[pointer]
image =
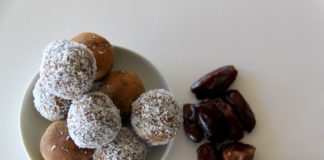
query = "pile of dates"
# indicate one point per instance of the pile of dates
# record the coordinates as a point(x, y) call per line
point(220, 115)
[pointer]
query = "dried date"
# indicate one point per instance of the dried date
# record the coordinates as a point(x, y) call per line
point(214, 83)
point(208, 152)
point(190, 125)
point(234, 127)
point(237, 151)
point(241, 108)
point(211, 120)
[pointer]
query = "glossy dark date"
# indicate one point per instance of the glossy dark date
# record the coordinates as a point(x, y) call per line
point(241, 108)
point(237, 151)
point(214, 83)
point(190, 125)
point(207, 152)
point(211, 120)
point(234, 127)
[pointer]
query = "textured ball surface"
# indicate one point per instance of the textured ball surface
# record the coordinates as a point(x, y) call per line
point(56, 144)
point(126, 146)
point(93, 120)
point(49, 105)
point(123, 88)
point(101, 49)
point(156, 116)
point(68, 68)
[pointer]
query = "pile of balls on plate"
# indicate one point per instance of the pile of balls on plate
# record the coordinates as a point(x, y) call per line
point(114, 120)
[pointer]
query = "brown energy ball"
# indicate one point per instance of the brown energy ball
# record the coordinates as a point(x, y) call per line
point(101, 49)
point(49, 105)
point(68, 68)
point(123, 88)
point(57, 144)
point(125, 146)
point(93, 120)
point(156, 116)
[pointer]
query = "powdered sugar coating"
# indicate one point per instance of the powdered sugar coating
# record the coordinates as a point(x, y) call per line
point(126, 146)
point(156, 116)
point(93, 120)
point(68, 68)
point(49, 105)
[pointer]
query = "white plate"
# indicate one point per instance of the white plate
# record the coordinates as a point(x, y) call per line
point(32, 125)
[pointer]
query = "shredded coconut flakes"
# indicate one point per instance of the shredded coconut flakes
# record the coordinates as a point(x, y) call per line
point(49, 105)
point(156, 116)
point(68, 68)
point(125, 146)
point(93, 120)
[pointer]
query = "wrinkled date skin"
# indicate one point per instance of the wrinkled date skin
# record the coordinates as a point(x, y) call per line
point(190, 124)
point(214, 83)
point(207, 152)
point(237, 151)
point(211, 120)
point(234, 127)
point(241, 108)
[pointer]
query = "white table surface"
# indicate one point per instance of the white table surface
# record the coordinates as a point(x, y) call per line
point(277, 46)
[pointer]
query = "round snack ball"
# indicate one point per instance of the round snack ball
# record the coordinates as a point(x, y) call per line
point(57, 144)
point(125, 146)
point(68, 68)
point(156, 116)
point(93, 120)
point(123, 88)
point(49, 105)
point(102, 50)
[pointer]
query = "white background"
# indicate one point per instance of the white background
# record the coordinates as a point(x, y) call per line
point(277, 46)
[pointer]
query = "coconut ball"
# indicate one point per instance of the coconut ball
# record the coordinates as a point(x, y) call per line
point(49, 105)
point(68, 68)
point(156, 116)
point(125, 146)
point(93, 120)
